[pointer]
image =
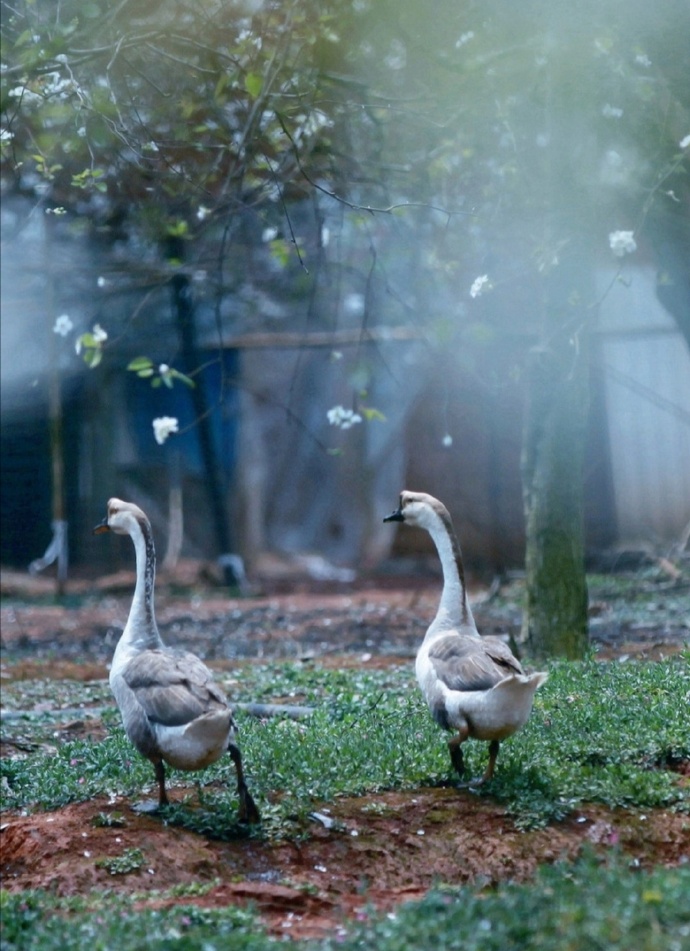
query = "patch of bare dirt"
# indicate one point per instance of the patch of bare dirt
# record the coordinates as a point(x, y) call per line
point(377, 851)
point(379, 616)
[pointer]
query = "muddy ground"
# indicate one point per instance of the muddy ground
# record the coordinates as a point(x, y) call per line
point(369, 852)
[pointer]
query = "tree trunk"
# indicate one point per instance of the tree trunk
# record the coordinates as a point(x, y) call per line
point(555, 618)
point(184, 311)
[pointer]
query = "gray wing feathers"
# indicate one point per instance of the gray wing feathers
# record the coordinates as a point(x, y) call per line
point(469, 663)
point(172, 687)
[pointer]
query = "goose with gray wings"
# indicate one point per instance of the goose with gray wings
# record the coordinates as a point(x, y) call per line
point(473, 685)
point(171, 708)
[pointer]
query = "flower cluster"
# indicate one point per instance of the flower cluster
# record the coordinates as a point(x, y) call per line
point(622, 242)
point(163, 426)
point(479, 285)
point(611, 112)
point(63, 325)
point(92, 345)
point(343, 418)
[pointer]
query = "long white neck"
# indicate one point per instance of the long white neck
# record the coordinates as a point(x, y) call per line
point(453, 611)
point(141, 631)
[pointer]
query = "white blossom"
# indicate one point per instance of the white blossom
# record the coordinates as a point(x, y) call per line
point(63, 325)
point(163, 426)
point(6, 135)
point(269, 234)
point(99, 334)
point(397, 55)
point(202, 212)
point(102, 282)
point(465, 38)
point(643, 60)
point(479, 285)
point(343, 418)
point(611, 112)
point(25, 94)
point(447, 440)
point(622, 242)
point(354, 304)
point(163, 369)
point(685, 142)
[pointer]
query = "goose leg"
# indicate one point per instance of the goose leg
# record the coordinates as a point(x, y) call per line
point(148, 806)
point(247, 811)
point(160, 776)
point(455, 750)
point(489, 774)
point(493, 755)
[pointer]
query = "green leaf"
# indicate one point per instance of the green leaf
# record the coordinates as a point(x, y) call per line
point(178, 229)
point(280, 251)
point(253, 83)
point(140, 363)
point(221, 85)
point(369, 413)
point(188, 381)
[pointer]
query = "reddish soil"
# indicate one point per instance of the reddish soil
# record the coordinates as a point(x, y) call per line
point(370, 852)
point(381, 851)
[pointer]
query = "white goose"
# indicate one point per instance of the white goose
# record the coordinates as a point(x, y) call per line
point(172, 710)
point(471, 684)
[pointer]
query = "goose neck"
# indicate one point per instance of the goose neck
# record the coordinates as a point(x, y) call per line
point(453, 610)
point(141, 629)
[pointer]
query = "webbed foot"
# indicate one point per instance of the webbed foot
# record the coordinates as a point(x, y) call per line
point(248, 812)
point(147, 807)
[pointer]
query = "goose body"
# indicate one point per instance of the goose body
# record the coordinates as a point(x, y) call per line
point(172, 709)
point(473, 685)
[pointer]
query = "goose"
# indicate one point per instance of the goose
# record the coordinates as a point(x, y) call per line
point(171, 709)
point(473, 685)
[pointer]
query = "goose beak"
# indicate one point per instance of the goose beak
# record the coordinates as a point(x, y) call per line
point(396, 516)
point(102, 527)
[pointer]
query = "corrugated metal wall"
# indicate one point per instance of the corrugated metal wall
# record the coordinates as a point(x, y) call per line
point(646, 369)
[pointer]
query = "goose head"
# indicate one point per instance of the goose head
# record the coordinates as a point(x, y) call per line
point(420, 509)
point(121, 518)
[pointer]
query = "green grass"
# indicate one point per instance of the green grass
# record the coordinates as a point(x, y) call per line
point(100, 921)
point(603, 732)
point(569, 907)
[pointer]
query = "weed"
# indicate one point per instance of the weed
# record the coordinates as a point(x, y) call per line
point(131, 860)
